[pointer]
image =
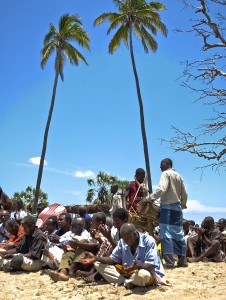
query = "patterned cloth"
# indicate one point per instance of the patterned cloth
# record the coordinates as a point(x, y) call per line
point(171, 229)
point(14, 238)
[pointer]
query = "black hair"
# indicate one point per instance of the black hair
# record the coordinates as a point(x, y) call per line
point(121, 213)
point(209, 219)
point(100, 217)
point(12, 224)
point(191, 222)
point(168, 161)
point(54, 221)
point(28, 220)
point(67, 217)
point(20, 204)
point(140, 171)
point(82, 209)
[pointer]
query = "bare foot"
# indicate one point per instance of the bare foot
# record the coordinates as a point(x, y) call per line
point(129, 285)
point(193, 259)
point(55, 276)
point(161, 281)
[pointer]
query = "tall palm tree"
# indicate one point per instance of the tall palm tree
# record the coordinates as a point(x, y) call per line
point(139, 18)
point(59, 41)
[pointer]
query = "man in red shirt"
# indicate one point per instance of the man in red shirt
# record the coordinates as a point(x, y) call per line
point(136, 190)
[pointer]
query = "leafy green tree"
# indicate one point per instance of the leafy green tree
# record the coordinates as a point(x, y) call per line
point(139, 18)
point(59, 41)
point(100, 187)
point(28, 195)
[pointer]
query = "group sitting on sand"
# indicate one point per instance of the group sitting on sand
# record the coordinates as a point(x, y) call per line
point(110, 247)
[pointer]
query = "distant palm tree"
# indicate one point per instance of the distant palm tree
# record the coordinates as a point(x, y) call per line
point(142, 19)
point(100, 186)
point(59, 41)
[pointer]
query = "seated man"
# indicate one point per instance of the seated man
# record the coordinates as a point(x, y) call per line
point(135, 257)
point(26, 256)
point(64, 224)
point(50, 227)
point(70, 259)
point(16, 231)
point(4, 234)
point(211, 238)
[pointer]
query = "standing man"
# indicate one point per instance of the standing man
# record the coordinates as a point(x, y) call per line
point(173, 198)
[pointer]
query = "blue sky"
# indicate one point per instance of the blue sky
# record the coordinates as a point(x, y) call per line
point(95, 124)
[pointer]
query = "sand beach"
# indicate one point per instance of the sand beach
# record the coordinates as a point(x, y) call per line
point(199, 281)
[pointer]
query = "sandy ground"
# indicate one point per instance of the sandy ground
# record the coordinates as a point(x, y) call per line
point(198, 281)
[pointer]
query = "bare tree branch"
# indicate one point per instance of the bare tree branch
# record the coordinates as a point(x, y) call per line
point(207, 78)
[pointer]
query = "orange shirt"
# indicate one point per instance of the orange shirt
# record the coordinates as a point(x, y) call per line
point(15, 238)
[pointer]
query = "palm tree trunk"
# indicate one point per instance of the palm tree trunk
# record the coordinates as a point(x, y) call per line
point(44, 146)
point(143, 131)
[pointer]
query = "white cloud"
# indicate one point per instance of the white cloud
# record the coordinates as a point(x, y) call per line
point(74, 193)
point(36, 161)
point(196, 206)
point(84, 174)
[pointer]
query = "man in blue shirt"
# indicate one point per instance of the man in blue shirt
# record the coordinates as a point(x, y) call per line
point(134, 262)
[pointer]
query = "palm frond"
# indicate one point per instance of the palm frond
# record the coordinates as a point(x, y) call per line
point(46, 52)
point(67, 21)
point(90, 195)
point(79, 35)
point(115, 21)
point(120, 35)
point(49, 37)
point(59, 64)
point(150, 41)
point(104, 17)
point(140, 36)
point(157, 5)
point(90, 182)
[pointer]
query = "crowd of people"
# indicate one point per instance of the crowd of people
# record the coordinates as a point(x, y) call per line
point(111, 247)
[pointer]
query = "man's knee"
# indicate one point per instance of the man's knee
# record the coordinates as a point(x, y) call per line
point(142, 278)
point(9, 246)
